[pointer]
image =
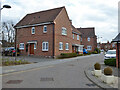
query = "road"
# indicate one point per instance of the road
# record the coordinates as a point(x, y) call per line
point(61, 75)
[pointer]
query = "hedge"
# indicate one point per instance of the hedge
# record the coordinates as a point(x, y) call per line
point(67, 55)
point(110, 62)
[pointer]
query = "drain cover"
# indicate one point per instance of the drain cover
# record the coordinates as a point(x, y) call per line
point(71, 65)
point(90, 85)
point(46, 79)
point(14, 81)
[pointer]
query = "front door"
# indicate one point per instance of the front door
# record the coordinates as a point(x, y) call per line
point(31, 48)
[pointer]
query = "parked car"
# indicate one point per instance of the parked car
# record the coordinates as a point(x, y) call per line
point(110, 54)
point(10, 51)
point(85, 51)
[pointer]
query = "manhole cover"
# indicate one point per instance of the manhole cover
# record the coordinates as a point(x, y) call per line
point(14, 81)
point(46, 79)
point(90, 85)
point(71, 65)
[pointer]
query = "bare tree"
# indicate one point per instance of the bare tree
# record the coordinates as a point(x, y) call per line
point(9, 32)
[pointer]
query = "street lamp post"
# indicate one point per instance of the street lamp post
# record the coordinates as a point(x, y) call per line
point(5, 6)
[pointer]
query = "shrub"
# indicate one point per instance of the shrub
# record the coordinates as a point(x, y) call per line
point(80, 55)
point(110, 62)
point(97, 50)
point(97, 66)
point(108, 71)
point(68, 55)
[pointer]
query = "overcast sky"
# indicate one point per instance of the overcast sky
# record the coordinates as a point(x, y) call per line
point(101, 14)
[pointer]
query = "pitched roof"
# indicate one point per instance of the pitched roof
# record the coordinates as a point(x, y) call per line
point(117, 38)
point(40, 17)
point(74, 30)
point(87, 32)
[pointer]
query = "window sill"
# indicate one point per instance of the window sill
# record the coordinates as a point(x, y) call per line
point(21, 48)
point(64, 34)
point(67, 49)
point(44, 50)
point(60, 49)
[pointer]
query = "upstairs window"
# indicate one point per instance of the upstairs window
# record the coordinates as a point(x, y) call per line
point(33, 30)
point(21, 46)
point(60, 46)
point(45, 46)
point(77, 37)
point(73, 36)
point(64, 31)
point(88, 38)
point(44, 29)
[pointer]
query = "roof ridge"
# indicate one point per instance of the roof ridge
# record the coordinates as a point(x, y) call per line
point(46, 10)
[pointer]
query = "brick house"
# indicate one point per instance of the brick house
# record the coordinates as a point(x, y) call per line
point(117, 40)
point(107, 46)
point(89, 39)
point(46, 33)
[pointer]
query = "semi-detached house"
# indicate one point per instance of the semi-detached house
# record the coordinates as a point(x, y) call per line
point(47, 33)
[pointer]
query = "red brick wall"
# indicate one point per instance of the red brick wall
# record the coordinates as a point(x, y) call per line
point(63, 21)
point(117, 55)
point(24, 35)
point(92, 42)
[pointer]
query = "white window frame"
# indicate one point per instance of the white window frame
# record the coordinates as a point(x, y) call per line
point(64, 31)
point(89, 48)
point(21, 48)
point(67, 46)
point(73, 36)
point(35, 45)
point(33, 28)
point(88, 38)
point(44, 29)
point(77, 37)
point(60, 45)
point(45, 49)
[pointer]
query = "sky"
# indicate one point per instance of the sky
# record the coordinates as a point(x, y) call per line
point(101, 14)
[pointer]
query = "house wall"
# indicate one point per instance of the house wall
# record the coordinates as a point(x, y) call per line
point(62, 20)
point(75, 41)
point(92, 42)
point(24, 35)
point(117, 55)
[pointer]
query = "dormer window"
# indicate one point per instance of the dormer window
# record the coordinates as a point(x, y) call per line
point(33, 30)
point(88, 38)
point(64, 31)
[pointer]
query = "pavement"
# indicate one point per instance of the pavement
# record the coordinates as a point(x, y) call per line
point(99, 82)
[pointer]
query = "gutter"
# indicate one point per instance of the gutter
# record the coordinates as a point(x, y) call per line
point(118, 55)
point(53, 39)
point(24, 26)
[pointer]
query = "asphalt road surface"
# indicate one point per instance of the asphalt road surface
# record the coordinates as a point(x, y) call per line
point(63, 75)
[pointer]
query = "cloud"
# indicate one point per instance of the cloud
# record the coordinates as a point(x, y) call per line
point(101, 14)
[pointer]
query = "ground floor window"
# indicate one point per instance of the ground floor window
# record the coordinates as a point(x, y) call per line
point(60, 46)
point(45, 46)
point(89, 47)
point(67, 46)
point(21, 46)
point(34, 45)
